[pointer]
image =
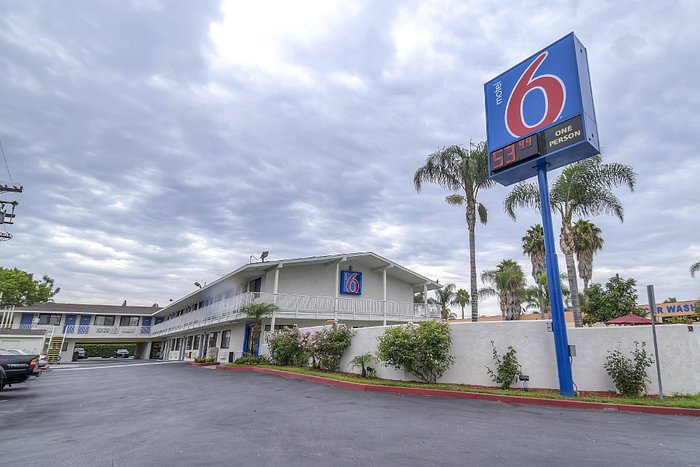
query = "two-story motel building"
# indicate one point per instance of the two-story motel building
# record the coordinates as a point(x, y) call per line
point(359, 289)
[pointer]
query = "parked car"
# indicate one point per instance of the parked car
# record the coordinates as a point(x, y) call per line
point(42, 364)
point(123, 353)
point(79, 352)
point(16, 368)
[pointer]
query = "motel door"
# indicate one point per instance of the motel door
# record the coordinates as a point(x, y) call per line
point(69, 327)
point(205, 344)
point(84, 324)
point(248, 341)
point(26, 322)
point(255, 285)
point(146, 325)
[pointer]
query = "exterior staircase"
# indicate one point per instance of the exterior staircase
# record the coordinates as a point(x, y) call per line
point(55, 346)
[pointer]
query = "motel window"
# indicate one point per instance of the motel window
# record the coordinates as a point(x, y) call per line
point(195, 345)
point(101, 320)
point(225, 339)
point(189, 342)
point(176, 344)
point(129, 321)
point(53, 320)
point(212, 339)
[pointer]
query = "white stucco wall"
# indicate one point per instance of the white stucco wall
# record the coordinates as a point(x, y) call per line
point(315, 280)
point(34, 344)
point(320, 280)
point(471, 347)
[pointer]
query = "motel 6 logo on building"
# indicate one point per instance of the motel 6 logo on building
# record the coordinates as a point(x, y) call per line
point(351, 283)
point(541, 108)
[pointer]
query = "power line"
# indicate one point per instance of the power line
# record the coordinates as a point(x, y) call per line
point(6, 166)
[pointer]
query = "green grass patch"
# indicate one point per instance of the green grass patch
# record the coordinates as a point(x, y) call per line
point(689, 401)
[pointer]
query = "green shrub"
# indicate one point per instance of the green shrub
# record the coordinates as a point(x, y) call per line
point(330, 344)
point(200, 360)
point(507, 368)
point(629, 374)
point(362, 361)
point(423, 350)
point(105, 350)
point(252, 360)
point(286, 346)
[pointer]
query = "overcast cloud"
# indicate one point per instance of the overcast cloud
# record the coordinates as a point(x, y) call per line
point(162, 143)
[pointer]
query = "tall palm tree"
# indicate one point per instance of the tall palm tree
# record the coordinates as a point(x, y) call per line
point(582, 189)
point(257, 312)
point(461, 299)
point(444, 296)
point(507, 282)
point(587, 240)
point(694, 268)
point(466, 172)
point(533, 246)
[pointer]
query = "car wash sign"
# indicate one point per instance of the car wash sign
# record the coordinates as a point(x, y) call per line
point(541, 108)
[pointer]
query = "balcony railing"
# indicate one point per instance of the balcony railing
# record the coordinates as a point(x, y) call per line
point(299, 306)
point(94, 331)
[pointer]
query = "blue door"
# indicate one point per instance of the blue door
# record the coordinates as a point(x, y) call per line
point(248, 341)
point(26, 322)
point(146, 325)
point(159, 319)
point(84, 327)
point(69, 327)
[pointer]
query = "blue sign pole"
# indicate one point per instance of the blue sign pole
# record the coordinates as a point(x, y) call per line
point(561, 341)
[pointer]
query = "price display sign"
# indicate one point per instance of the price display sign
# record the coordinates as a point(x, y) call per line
point(541, 108)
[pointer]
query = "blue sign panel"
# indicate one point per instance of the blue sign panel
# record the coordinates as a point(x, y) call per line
point(351, 282)
point(541, 108)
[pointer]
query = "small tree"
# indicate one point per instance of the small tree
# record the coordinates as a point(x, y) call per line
point(362, 361)
point(629, 374)
point(258, 312)
point(507, 368)
point(423, 350)
point(619, 298)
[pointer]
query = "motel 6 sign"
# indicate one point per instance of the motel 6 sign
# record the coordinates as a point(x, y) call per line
point(541, 108)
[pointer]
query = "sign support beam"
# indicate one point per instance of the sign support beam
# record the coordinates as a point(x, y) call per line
point(561, 341)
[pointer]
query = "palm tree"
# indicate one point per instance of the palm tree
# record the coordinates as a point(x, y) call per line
point(466, 172)
point(444, 296)
point(258, 312)
point(588, 240)
point(507, 282)
point(694, 268)
point(582, 189)
point(537, 296)
point(533, 246)
point(461, 299)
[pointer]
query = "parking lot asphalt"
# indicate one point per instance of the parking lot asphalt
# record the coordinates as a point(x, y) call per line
point(137, 413)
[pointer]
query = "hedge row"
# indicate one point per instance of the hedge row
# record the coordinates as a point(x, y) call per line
point(106, 350)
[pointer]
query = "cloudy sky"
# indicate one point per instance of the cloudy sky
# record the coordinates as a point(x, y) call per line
point(162, 143)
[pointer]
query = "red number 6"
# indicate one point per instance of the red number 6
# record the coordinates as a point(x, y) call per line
point(554, 98)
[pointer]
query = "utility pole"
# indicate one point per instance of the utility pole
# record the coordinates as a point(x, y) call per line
point(7, 209)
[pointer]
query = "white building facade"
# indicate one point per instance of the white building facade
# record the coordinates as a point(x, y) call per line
point(358, 289)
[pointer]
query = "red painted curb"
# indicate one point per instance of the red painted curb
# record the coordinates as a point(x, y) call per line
point(563, 403)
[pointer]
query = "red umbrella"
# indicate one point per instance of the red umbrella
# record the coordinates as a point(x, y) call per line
point(629, 320)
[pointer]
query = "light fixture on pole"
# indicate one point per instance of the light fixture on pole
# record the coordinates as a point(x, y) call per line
point(198, 284)
point(262, 257)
